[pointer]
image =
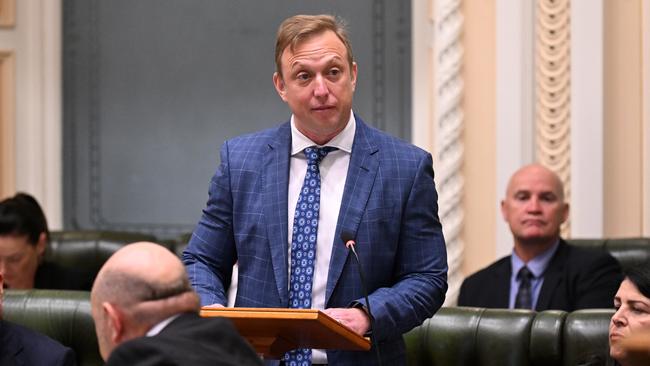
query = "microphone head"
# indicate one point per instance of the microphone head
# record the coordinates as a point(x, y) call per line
point(346, 236)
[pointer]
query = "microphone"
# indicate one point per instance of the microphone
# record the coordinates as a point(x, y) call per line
point(348, 238)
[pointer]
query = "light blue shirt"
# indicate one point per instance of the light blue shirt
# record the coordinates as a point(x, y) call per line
point(537, 267)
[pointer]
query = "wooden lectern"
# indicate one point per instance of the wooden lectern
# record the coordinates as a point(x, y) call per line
point(273, 332)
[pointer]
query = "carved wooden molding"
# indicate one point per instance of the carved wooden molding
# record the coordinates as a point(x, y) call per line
point(553, 90)
point(449, 149)
point(7, 122)
point(7, 13)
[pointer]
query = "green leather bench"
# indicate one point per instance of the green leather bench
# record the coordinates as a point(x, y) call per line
point(62, 315)
point(85, 251)
point(459, 336)
point(455, 336)
point(628, 251)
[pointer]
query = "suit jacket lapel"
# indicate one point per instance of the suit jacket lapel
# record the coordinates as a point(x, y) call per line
point(364, 163)
point(275, 185)
point(501, 283)
point(552, 277)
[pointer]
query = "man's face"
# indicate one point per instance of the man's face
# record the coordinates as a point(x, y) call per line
point(19, 260)
point(318, 84)
point(534, 207)
point(632, 316)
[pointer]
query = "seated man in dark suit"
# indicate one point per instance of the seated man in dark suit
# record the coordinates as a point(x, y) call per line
point(23, 239)
point(146, 313)
point(543, 272)
point(23, 346)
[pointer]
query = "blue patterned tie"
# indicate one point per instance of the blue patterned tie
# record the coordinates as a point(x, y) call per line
point(524, 298)
point(303, 245)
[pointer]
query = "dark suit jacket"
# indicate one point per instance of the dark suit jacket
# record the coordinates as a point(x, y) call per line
point(576, 278)
point(389, 204)
point(188, 340)
point(21, 346)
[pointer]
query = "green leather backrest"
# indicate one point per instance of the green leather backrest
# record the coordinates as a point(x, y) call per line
point(181, 243)
point(459, 336)
point(86, 251)
point(628, 251)
point(545, 338)
point(502, 337)
point(585, 334)
point(62, 315)
point(475, 336)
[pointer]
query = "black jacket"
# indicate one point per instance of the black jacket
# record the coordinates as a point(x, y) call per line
point(576, 278)
point(188, 340)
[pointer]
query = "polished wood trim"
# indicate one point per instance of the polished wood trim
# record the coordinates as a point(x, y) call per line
point(274, 331)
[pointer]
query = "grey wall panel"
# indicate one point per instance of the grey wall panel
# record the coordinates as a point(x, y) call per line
point(152, 88)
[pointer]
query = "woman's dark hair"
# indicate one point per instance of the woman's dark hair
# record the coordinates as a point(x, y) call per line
point(640, 276)
point(21, 215)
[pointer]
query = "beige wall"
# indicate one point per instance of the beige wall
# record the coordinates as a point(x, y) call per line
point(7, 120)
point(623, 119)
point(479, 103)
point(623, 126)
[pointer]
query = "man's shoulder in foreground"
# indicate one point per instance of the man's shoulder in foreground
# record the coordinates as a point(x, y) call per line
point(22, 346)
point(188, 340)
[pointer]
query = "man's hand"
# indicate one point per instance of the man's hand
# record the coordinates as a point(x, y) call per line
point(214, 306)
point(353, 318)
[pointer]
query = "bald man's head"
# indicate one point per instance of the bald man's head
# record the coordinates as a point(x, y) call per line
point(138, 286)
point(534, 206)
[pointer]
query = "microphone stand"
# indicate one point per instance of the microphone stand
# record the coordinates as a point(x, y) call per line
point(349, 243)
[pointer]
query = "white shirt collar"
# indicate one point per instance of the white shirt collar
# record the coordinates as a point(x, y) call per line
point(160, 326)
point(343, 141)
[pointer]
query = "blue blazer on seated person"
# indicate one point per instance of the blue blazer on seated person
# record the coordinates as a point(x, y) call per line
point(389, 204)
point(576, 278)
point(21, 346)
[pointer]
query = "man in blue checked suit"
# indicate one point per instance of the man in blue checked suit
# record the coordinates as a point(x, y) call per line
point(281, 198)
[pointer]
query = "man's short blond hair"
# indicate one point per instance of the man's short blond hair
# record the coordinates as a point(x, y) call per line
point(298, 28)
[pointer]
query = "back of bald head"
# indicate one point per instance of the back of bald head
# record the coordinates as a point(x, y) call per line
point(538, 171)
point(140, 273)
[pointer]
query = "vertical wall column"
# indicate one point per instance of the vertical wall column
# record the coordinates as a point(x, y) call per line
point(7, 97)
point(7, 123)
point(38, 104)
point(448, 126)
point(587, 118)
point(515, 115)
point(553, 91)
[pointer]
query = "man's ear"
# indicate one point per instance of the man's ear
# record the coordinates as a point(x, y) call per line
point(565, 212)
point(115, 321)
point(504, 214)
point(280, 87)
point(353, 75)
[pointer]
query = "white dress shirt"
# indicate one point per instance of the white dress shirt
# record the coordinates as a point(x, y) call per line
point(333, 172)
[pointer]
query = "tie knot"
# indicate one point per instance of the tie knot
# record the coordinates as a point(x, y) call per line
point(316, 154)
point(525, 274)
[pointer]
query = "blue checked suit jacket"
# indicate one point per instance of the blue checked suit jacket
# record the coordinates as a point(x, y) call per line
point(389, 203)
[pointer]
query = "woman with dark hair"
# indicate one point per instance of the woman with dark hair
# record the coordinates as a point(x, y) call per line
point(23, 239)
point(632, 302)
